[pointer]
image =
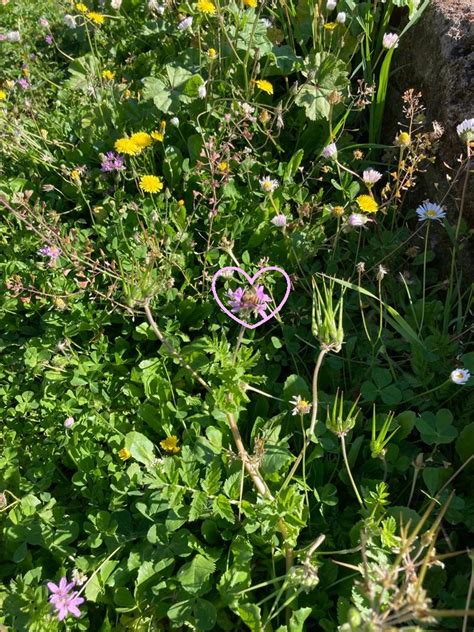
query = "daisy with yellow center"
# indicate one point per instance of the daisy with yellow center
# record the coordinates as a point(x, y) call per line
point(251, 4)
point(127, 146)
point(108, 75)
point(151, 184)
point(124, 454)
point(3, 95)
point(300, 405)
point(170, 444)
point(206, 6)
point(367, 204)
point(82, 7)
point(141, 139)
point(95, 17)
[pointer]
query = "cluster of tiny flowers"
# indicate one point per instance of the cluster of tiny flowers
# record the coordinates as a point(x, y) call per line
point(64, 601)
point(430, 211)
point(52, 252)
point(460, 376)
point(300, 405)
point(279, 220)
point(254, 300)
point(112, 162)
point(268, 185)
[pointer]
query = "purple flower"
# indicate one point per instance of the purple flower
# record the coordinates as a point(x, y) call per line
point(254, 300)
point(52, 252)
point(69, 422)
point(357, 219)
point(64, 601)
point(330, 151)
point(112, 162)
point(23, 83)
point(3, 37)
point(48, 39)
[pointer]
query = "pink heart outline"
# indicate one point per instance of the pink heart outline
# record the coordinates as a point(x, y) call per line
point(251, 281)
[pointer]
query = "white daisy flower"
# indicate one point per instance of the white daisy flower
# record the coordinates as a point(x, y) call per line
point(371, 176)
point(431, 211)
point(268, 185)
point(300, 405)
point(460, 376)
point(390, 40)
point(465, 130)
point(330, 151)
point(185, 24)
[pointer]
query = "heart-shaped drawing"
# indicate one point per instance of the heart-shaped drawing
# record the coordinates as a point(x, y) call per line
point(251, 281)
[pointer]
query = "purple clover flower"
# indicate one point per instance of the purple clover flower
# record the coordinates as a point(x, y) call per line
point(52, 252)
point(24, 83)
point(254, 300)
point(48, 39)
point(64, 601)
point(112, 162)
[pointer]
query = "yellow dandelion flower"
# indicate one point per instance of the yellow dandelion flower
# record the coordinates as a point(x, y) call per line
point(124, 454)
point(338, 211)
point(181, 203)
point(3, 95)
point(170, 444)
point(76, 175)
point(250, 3)
point(206, 6)
point(127, 146)
point(108, 75)
point(141, 139)
point(403, 139)
point(151, 184)
point(156, 135)
point(59, 303)
point(25, 72)
point(330, 26)
point(80, 6)
point(95, 17)
point(367, 204)
point(212, 53)
point(264, 86)
point(223, 166)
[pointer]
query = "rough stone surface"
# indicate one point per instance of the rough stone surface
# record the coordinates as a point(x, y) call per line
point(436, 57)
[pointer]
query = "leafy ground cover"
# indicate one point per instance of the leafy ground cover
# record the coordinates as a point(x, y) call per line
point(164, 467)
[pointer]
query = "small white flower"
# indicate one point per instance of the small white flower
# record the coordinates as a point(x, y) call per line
point(185, 24)
point(341, 17)
point(116, 4)
point(279, 220)
point(174, 121)
point(465, 130)
point(13, 36)
point(69, 422)
point(301, 406)
point(381, 272)
point(331, 4)
point(43, 22)
point(460, 376)
point(371, 176)
point(330, 151)
point(202, 91)
point(268, 185)
point(390, 40)
point(431, 211)
point(70, 21)
point(358, 219)
point(79, 577)
point(247, 109)
point(266, 23)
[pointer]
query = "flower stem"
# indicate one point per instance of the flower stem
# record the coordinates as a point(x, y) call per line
point(424, 277)
point(346, 461)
